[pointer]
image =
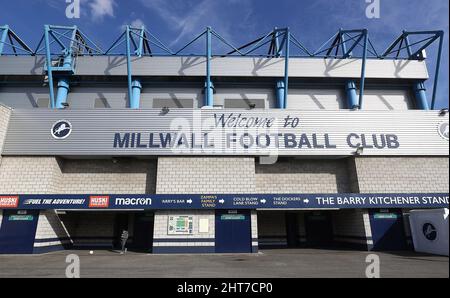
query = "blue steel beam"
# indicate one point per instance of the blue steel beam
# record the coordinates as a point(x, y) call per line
point(49, 65)
point(209, 101)
point(4, 34)
point(64, 44)
point(363, 70)
point(138, 43)
point(279, 42)
point(9, 39)
point(128, 51)
point(428, 39)
point(286, 67)
point(438, 67)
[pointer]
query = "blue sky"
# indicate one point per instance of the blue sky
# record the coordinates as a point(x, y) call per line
point(177, 21)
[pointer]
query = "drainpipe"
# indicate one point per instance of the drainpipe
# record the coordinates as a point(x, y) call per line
point(209, 94)
point(352, 98)
point(136, 94)
point(421, 96)
point(63, 85)
point(280, 90)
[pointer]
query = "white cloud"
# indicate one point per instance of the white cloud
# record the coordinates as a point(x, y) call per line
point(102, 8)
point(189, 18)
point(137, 23)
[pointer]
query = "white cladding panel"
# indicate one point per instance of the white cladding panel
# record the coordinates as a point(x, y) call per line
point(23, 97)
point(383, 100)
point(225, 66)
point(116, 98)
point(316, 99)
point(191, 132)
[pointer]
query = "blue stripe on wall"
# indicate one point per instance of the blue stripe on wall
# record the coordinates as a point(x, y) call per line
point(183, 249)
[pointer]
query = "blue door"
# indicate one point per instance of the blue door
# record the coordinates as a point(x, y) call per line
point(233, 231)
point(388, 231)
point(18, 231)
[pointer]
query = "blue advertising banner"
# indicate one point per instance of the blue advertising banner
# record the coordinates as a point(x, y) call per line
point(224, 201)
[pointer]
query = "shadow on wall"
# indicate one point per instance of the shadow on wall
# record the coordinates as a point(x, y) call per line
point(110, 167)
point(305, 171)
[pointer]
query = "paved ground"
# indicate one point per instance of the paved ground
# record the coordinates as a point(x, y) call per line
point(267, 264)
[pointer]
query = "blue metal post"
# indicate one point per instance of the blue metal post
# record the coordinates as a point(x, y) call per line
point(286, 68)
point(363, 70)
point(407, 44)
point(140, 49)
point(342, 40)
point(63, 91)
point(280, 94)
point(352, 98)
point(209, 92)
point(438, 67)
point(421, 96)
point(49, 65)
point(3, 38)
point(136, 94)
point(63, 84)
point(278, 51)
point(130, 92)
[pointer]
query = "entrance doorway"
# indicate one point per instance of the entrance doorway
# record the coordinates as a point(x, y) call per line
point(18, 231)
point(292, 230)
point(388, 232)
point(319, 229)
point(143, 231)
point(120, 224)
point(233, 231)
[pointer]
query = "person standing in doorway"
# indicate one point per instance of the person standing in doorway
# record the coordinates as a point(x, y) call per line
point(123, 241)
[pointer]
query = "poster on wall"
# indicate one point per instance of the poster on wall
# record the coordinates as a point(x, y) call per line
point(180, 225)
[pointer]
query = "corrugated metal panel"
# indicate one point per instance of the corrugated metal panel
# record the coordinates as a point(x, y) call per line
point(23, 97)
point(93, 131)
point(383, 100)
point(226, 66)
point(22, 65)
point(304, 99)
point(316, 99)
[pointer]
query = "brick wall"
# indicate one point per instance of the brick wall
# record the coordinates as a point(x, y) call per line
point(29, 175)
point(51, 233)
point(52, 175)
point(272, 228)
point(90, 228)
point(303, 176)
point(402, 174)
point(206, 175)
point(104, 176)
point(352, 227)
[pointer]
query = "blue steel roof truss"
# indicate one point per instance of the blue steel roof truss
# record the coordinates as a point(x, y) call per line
point(66, 43)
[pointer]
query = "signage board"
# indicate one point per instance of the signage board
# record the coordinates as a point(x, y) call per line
point(20, 218)
point(180, 225)
point(127, 132)
point(231, 201)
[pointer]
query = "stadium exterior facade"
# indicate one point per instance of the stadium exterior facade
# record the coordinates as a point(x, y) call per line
point(216, 153)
